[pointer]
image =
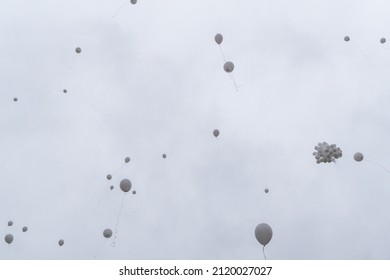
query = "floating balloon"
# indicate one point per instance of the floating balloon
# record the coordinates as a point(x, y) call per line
point(125, 185)
point(383, 40)
point(78, 50)
point(266, 190)
point(164, 155)
point(109, 177)
point(64, 91)
point(10, 223)
point(216, 132)
point(228, 67)
point(61, 242)
point(263, 233)
point(133, 2)
point(24, 229)
point(111, 187)
point(327, 153)
point(9, 238)
point(358, 156)
point(107, 233)
point(346, 38)
point(15, 99)
point(127, 160)
point(134, 192)
point(218, 38)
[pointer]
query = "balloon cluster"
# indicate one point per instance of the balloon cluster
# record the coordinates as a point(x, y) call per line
point(327, 153)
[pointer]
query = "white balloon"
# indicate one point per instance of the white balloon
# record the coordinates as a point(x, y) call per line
point(228, 67)
point(15, 99)
point(133, 1)
point(134, 192)
point(109, 177)
point(266, 190)
point(111, 187)
point(24, 229)
point(164, 155)
point(61, 242)
point(125, 185)
point(127, 159)
point(107, 233)
point(263, 233)
point(358, 156)
point(78, 50)
point(9, 238)
point(64, 91)
point(383, 40)
point(346, 39)
point(216, 132)
point(10, 223)
point(218, 38)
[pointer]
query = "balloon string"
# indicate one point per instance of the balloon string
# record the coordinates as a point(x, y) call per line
point(234, 81)
point(101, 247)
point(117, 221)
point(216, 168)
point(71, 65)
point(377, 163)
point(117, 12)
point(264, 253)
point(105, 190)
point(223, 55)
point(360, 49)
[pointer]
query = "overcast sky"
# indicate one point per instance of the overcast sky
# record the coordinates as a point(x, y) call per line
point(149, 81)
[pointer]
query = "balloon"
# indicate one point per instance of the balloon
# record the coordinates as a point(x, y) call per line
point(15, 99)
point(64, 91)
point(78, 50)
point(266, 190)
point(327, 153)
point(134, 192)
point(109, 177)
point(263, 233)
point(133, 1)
point(125, 185)
point(358, 156)
point(107, 233)
point(216, 132)
point(346, 38)
point(10, 223)
point(218, 38)
point(61, 242)
point(9, 238)
point(164, 155)
point(383, 40)
point(228, 67)
point(24, 229)
point(127, 160)
point(111, 187)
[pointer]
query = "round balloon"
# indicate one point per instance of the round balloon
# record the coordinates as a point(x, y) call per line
point(109, 177)
point(127, 160)
point(228, 67)
point(218, 38)
point(266, 190)
point(133, 1)
point(111, 187)
point(125, 185)
point(64, 91)
point(383, 40)
point(15, 99)
point(164, 155)
point(107, 233)
point(61, 242)
point(24, 229)
point(216, 132)
point(78, 50)
point(358, 156)
point(134, 192)
point(263, 233)
point(9, 238)
point(10, 223)
point(346, 38)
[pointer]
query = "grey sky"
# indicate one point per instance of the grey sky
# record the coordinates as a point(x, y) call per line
point(149, 81)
